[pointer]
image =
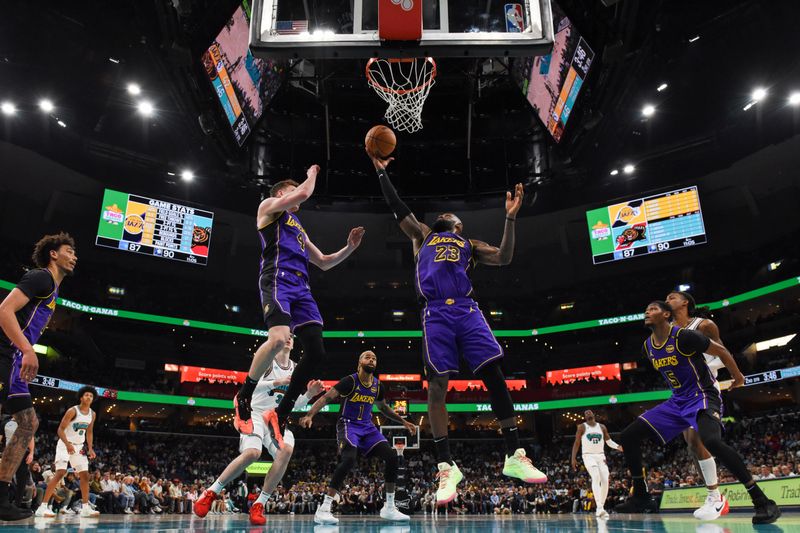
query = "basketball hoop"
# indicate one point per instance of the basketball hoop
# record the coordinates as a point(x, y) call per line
point(404, 84)
point(400, 447)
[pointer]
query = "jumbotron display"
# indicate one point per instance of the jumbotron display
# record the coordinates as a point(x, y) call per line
point(658, 223)
point(154, 227)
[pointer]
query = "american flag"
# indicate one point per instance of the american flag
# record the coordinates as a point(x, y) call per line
point(291, 27)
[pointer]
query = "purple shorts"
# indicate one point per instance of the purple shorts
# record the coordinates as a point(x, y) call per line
point(287, 301)
point(456, 329)
point(363, 436)
point(14, 393)
point(671, 418)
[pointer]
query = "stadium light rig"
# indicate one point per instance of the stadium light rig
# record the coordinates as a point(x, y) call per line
point(46, 105)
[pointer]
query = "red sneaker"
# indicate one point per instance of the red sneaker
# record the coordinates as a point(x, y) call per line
point(271, 421)
point(203, 503)
point(257, 514)
point(242, 421)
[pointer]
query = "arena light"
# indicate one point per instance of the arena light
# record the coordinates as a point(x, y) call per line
point(187, 175)
point(8, 108)
point(649, 110)
point(628, 169)
point(775, 265)
point(566, 306)
point(694, 39)
point(46, 105)
point(114, 60)
point(759, 93)
point(748, 105)
point(61, 123)
point(662, 87)
point(495, 312)
point(777, 342)
point(145, 108)
point(614, 172)
point(232, 308)
point(684, 287)
point(794, 98)
point(116, 292)
point(134, 89)
point(398, 314)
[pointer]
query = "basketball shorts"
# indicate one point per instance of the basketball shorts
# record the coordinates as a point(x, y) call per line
point(456, 329)
point(15, 396)
point(77, 460)
point(671, 418)
point(261, 437)
point(362, 436)
point(286, 300)
point(595, 463)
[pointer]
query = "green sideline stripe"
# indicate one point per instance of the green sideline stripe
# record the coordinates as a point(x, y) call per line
point(147, 397)
point(405, 334)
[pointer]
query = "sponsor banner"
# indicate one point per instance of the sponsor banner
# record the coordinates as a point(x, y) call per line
point(785, 492)
point(570, 375)
point(259, 468)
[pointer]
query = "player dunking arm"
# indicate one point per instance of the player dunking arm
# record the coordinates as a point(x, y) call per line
point(677, 353)
point(355, 431)
point(286, 298)
point(684, 315)
point(76, 427)
point(24, 314)
point(454, 327)
point(592, 436)
point(269, 391)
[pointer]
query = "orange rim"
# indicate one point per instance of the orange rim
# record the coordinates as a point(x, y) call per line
point(401, 60)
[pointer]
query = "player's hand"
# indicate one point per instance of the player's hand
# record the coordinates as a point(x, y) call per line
point(620, 450)
point(312, 171)
point(314, 388)
point(306, 422)
point(91, 453)
point(30, 365)
point(29, 458)
point(354, 239)
point(574, 464)
point(70, 449)
point(377, 162)
point(410, 427)
point(738, 380)
point(513, 203)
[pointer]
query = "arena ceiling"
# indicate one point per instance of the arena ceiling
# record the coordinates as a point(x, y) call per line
point(711, 55)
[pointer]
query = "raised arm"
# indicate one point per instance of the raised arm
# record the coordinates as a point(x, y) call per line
point(325, 399)
point(300, 194)
point(328, 261)
point(502, 255)
point(413, 228)
point(692, 342)
point(576, 446)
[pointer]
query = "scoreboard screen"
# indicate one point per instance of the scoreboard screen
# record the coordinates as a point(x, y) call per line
point(658, 223)
point(154, 227)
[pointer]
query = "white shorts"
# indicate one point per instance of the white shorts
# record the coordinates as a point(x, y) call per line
point(77, 460)
point(594, 460)
point(260, 438)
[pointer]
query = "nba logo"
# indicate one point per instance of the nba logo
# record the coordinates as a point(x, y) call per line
point(515, 22)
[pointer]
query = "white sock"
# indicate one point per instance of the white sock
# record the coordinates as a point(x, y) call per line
point(390, 499)
point(708, 467)
point(326, 503)
point(263, 497)
point(216, 487)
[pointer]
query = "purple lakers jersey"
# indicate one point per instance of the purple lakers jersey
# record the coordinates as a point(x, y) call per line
point(357, 405)
point(283, 246)
point(40, 288)
point(681, 362)
point(443, 265)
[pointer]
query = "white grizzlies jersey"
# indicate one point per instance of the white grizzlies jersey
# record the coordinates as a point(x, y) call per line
point(267, 396)
point(76, 430)
point(592, 440)
point(714, 363)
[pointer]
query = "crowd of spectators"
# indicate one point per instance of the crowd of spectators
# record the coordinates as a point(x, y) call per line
point(138, 472)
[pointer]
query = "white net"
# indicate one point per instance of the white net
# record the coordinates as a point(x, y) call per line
point(404, 84)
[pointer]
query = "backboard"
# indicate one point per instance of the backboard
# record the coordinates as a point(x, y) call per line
point(350, 28)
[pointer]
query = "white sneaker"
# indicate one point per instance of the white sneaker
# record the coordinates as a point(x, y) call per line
point(324, 516)
point(715, 506)
point(68, 511)
point(87, 511)
point(392, 513)
point(128, 511)
point(602, 514)
point(44, 511)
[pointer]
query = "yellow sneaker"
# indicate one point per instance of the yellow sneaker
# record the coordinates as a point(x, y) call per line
point(449, 477)
point(520, 467)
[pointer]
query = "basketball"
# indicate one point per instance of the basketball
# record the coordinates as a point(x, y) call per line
point(380, 141)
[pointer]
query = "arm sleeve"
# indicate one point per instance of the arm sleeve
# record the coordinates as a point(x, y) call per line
point(398, 207)
point(36, 284)
point(690, 342)
point(345, 386)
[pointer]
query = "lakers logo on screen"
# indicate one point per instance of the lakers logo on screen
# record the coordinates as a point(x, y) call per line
point(134, 226)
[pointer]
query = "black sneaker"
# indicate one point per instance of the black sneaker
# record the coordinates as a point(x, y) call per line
point(10, 512)
point(766, 513)
point(637, 505)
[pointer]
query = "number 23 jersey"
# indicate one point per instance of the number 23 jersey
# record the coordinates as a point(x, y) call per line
point(443, 264)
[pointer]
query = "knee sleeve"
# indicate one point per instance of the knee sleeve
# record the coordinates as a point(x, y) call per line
point(499, 397)
point(346, 463)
